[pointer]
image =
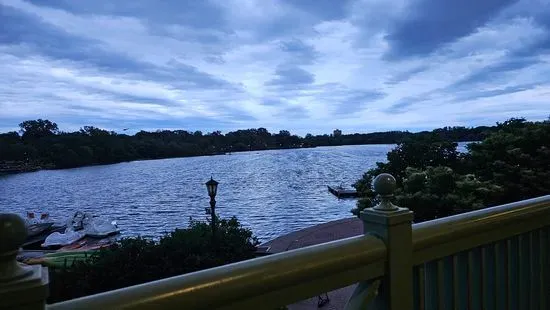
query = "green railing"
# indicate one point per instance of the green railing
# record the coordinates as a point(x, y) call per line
point(495, 258)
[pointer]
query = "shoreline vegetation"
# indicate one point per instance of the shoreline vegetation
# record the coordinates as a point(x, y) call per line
point(40, 145)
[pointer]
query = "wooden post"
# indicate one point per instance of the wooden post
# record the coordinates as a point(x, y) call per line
point(21, 286)
point(394, 226)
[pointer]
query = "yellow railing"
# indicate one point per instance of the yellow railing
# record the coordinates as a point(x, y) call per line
point(495, 258)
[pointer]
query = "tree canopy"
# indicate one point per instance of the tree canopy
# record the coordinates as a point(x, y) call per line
point(434, 180)
point(38, 129)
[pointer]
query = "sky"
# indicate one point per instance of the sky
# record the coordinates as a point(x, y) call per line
point(308, 66)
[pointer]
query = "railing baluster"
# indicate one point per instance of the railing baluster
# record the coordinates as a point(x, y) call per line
point(474, 277)
point(488, 276)
point(445, 282)
point(534, 269)
point(524, 283)
point(512, 253)
point(419, 288)
point(432, 289)
point(364, 295)
point(460, 262)
point(544, 275)
point(441, 284)
point(500, 275)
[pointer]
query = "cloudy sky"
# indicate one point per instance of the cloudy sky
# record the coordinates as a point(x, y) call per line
point(302, 65)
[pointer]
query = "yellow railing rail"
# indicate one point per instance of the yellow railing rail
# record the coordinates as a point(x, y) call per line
point(438, 238)
point(495, 258)
point(270, 281)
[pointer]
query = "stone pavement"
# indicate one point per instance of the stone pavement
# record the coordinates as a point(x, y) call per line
point(321, 233)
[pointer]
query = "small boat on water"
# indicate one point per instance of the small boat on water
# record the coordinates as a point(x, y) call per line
point(46, 234)
point(37, 226)
point(63, 244)
point(81, 225)
point(341, 192)
point(38, 229)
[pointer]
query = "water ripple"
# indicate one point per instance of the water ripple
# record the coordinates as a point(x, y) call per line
point(271, 192)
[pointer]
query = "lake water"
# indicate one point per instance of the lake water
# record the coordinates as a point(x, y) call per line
point(272, 192)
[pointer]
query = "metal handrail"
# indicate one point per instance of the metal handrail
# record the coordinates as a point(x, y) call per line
point(441, 237)
point(270, 281)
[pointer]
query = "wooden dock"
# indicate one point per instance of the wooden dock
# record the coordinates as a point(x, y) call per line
point(342, 192)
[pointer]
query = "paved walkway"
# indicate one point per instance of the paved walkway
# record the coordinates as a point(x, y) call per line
point(322, 233)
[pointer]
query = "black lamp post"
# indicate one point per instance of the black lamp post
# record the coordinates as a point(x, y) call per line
point(212, 187)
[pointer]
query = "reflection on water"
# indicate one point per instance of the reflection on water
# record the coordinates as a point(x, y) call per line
point(272, 192)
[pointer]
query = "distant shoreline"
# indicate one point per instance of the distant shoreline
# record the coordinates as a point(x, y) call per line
point(15, 167)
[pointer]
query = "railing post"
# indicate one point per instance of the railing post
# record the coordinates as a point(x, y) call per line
point(21, 286)
point(393, 225)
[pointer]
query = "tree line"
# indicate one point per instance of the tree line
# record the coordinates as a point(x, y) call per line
point(40, 143)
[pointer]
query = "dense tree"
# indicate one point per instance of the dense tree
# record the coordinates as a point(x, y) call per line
point(516, 157)
point(434, 180)
point(43, 145)
point(38, 129)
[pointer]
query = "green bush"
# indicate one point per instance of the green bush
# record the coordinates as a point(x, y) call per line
point(434, 180)
point(438, 192)
point(516, 157)
point(415, 152)
point(138, 260)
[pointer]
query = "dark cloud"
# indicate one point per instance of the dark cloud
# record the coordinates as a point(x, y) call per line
point(215, 59)
point(280, 28)
point(402, 105)
point(492, 73)
point(299, 52)
point(323, 9)
point(291, 76)
point(293, 112)
point(20, 28)
point(43, 39)
point(83, 110)
point(184, 74)
point(185, 123)
point(356, 100)
point(272, 102)
point(406, 75)
point(428, 24)
point(198, 14)
point(134, 98)
point(493, 93)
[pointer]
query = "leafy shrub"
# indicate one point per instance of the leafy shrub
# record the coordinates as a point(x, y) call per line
point(138, 260)
point(434, 180)
point(517, 158)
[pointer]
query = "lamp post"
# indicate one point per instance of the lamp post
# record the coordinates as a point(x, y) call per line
point(212, 187)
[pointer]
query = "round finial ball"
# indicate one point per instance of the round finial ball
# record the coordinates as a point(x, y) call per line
point(13, 232)
point(384, 184)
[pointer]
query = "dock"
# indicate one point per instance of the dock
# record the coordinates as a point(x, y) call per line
point(341, 192)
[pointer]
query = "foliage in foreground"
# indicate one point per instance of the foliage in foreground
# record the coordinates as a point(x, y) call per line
point(138, 260)
point(435, 180)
